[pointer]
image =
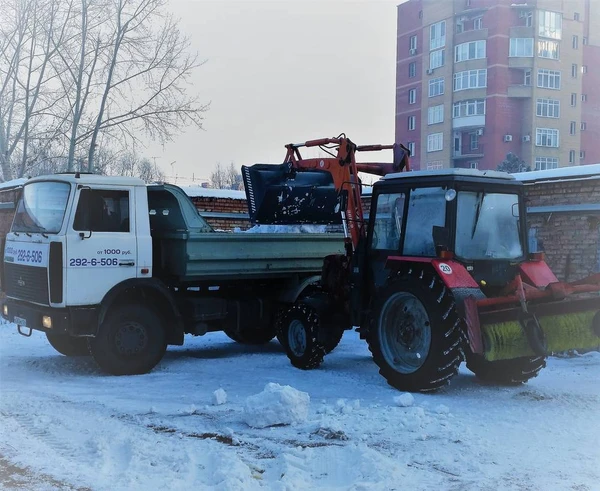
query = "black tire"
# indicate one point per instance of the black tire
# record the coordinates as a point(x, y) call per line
point(130, 341)
point(421, 310)
point(330, 338)
point(505, 372)
point(252, 336)
point(298, 332)
point(68, 345)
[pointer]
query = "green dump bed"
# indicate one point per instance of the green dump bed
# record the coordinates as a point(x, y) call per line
point(187, 250)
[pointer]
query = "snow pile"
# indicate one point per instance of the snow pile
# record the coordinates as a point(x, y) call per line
point(219, 397)
point(276, 405)
point(404, 400)
point(285, 229)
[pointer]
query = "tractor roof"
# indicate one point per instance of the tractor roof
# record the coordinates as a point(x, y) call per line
point(451, 174)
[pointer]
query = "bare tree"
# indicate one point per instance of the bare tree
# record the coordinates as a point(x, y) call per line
point(226, 178)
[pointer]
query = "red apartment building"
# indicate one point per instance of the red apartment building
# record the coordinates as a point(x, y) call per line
point(477, 79)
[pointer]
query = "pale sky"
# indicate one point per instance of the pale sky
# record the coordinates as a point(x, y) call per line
point(284, 71)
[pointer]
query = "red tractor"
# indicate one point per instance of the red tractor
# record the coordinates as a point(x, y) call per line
point(438, 273)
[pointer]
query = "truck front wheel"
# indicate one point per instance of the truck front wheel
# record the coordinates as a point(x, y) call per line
point(130, 341)
point(68, 345)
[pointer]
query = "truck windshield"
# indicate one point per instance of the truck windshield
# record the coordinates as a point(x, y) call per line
point(487, 226)
point(41, 208)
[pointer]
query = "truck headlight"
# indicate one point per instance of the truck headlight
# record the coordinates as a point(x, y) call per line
point(47, 322)
point(5, 310)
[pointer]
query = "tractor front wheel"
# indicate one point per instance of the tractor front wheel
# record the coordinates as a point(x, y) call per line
point(298, 332)
point(505, 372)
point(415, 335)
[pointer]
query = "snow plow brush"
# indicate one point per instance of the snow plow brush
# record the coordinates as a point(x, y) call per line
point(316, 190)
point(535, 322)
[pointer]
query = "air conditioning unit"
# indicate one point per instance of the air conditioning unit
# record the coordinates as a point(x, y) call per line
point(479, 132)
point(413, 51)
point(430, 71)
point(526, 138)
point(507, 138)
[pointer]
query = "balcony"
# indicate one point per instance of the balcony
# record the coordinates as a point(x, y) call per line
point(520, 91)
point(520, 62)
point(467, 122)
point(468, 153)
point(521, 32)
point(472, 35)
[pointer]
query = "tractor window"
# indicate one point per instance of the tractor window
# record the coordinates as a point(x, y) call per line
point(426, 209)
point(487, 226)
point(102, 210)
point(388, 221)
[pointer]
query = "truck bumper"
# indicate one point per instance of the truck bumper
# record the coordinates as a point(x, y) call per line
point(73, 321)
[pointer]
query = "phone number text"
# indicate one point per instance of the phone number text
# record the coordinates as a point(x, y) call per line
point(83, 262)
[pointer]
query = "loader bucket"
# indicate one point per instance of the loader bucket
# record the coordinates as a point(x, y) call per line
point(279, 194)
point(547, 327)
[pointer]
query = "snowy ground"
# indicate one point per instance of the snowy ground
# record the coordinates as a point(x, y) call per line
point(63, 425)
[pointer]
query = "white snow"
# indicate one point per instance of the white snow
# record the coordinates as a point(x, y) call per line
point(276, 405)
point(285, 229)
point(64, 425)
point(560, 174)
point(219, 397)
point(404, 400)
point(199, 191)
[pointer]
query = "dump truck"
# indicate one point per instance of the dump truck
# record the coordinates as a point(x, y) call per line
point(119, 269)
point(438, 273)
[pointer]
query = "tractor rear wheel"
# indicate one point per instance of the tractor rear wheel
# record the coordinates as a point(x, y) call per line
point(505, 372)
point(298, 332)
point(415, 336)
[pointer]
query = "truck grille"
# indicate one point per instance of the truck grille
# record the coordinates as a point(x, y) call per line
point(26, 282)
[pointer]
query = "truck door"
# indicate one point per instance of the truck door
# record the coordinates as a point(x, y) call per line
point(101, 243)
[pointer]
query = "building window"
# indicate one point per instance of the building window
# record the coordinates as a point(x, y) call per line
point(412, 96)
point(572, 127)
point(548, 108)
point(472, 107)
point(550, 24)
point(575, 42)
point(412, 123)
point(436, 86)
point(435, 114)
point(521, 47)
point(435, 165)
point(548, 79)
point(460, 27)
point(545, 163)
point(583, 126)
point(412, 43)
point(411, 148)
point(528, 16)
point(576, 16)
point(582, 154)
point(546, 137)
point(470, 79)
point(584, 41)
point(583, 97)
point(435, 142)
point(571, 156)
point(473, 141)
point(412, 69)
point(478, 23)
point(583, 68)
point(473, 165)
point(469, 51)
point(573, 99)
point(437, 58)
point(547, 49)
point(527, 77)
point(574, 70)
point(437, 35)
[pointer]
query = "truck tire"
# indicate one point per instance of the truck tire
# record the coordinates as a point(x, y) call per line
point(415, 336)
point(252, 336)
point(298, 332)
point(130, 341)
point(68, 345)
point(505, 372)
point(330, 338)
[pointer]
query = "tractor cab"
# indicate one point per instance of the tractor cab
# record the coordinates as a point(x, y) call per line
point(476, 217)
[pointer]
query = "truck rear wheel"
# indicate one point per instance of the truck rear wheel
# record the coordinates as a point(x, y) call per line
point(299, 334)
point(252, 336)
point(505, 372)
point(68, 345)
point(415, 338)
point(130, 341)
